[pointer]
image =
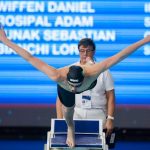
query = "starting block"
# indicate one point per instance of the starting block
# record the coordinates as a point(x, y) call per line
point(88, 134)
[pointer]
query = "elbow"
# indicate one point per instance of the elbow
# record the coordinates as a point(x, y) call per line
point(111, 62)
point(55, 77)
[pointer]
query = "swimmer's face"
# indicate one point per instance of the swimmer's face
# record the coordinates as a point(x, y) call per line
point(74, 87)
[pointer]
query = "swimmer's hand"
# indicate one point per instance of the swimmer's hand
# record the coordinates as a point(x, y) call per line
point(2, 34)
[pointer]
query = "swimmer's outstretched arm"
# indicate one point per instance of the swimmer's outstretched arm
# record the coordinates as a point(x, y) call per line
point(52, 73)
point(97, 68)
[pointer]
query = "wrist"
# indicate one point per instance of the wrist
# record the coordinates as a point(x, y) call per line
point(110, 117)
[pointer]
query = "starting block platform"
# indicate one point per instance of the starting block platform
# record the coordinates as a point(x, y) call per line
point(88, 134)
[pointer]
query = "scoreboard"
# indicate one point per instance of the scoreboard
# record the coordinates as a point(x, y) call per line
point(51, 30)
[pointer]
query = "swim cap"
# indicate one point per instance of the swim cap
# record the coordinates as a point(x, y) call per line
point(75, 75)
